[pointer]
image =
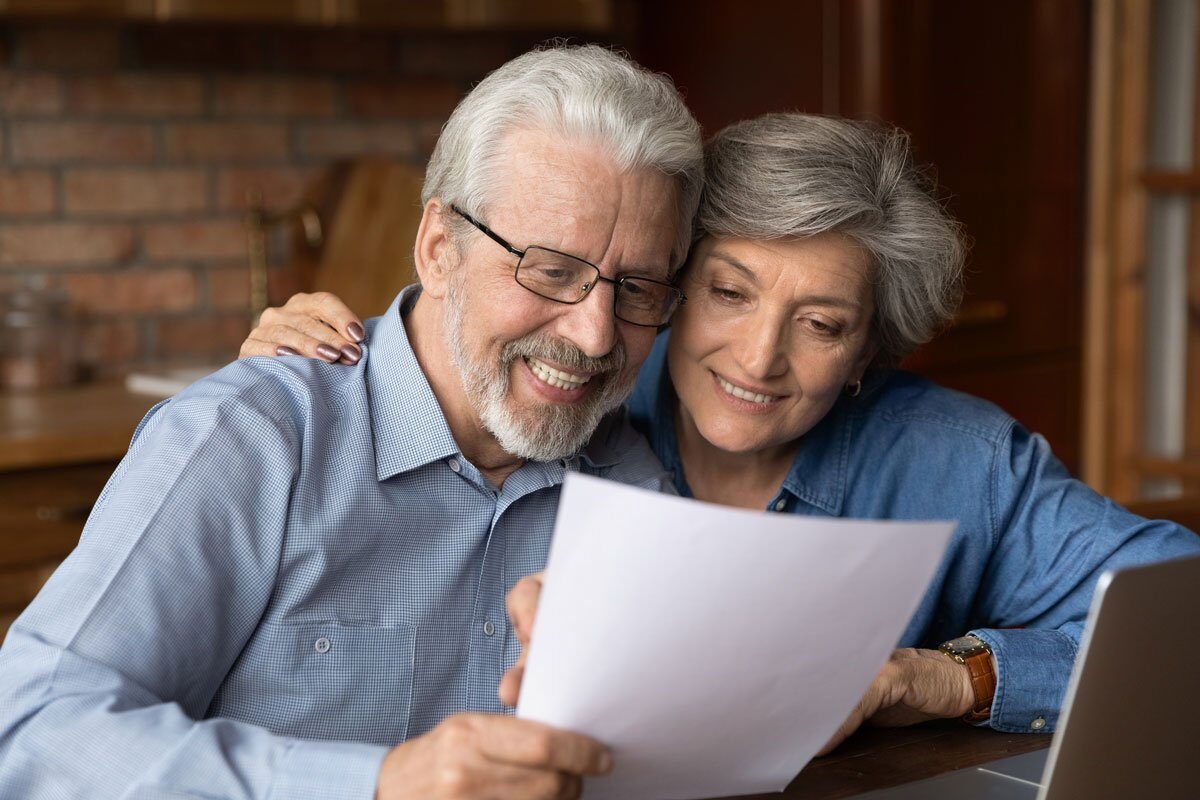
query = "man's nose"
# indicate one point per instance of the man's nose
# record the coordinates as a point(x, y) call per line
point(590, 324)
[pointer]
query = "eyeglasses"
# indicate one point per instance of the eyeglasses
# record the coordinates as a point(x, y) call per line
point(567, 279)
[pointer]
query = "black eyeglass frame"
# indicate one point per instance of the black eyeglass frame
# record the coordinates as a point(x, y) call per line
point(677, 294)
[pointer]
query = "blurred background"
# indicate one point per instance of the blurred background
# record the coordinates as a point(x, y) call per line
point(168, 167)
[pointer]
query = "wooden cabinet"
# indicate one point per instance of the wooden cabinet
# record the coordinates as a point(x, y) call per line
point(995, 97)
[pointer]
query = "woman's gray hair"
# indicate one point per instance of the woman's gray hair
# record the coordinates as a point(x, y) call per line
point(783, 175)
point(581, 92)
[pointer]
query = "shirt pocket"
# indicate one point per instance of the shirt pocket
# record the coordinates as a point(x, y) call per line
point(333, 680)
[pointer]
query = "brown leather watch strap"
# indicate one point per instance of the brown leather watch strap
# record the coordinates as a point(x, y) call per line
point(983, 681)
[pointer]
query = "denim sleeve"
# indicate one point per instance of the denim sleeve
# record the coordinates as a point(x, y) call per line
point(1052, 539)
point(105, 678)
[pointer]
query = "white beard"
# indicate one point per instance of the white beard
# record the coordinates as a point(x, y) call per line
point(550, 431)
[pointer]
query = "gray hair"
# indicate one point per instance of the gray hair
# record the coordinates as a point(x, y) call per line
point(783, 175)
point(588, 93)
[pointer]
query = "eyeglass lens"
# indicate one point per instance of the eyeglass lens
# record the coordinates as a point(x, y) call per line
point(561, 277)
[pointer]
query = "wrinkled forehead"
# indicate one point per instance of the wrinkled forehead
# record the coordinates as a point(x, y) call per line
point(571, 195)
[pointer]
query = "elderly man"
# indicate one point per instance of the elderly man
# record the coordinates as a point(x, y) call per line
point(298, 565)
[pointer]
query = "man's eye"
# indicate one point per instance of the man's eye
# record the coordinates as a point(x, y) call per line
point(555, 274)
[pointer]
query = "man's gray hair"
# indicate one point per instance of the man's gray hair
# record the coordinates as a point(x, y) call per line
point(783, 175)
point(585, 93)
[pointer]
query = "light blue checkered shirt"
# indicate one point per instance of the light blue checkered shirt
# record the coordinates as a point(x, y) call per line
point(292, 569)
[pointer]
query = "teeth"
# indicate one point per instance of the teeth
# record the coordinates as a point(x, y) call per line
point(742, 394)
point(555, 377)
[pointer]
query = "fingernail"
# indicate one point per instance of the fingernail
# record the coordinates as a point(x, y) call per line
point(356, 332)
point(328, 353)
point(284, 350)
point(606, 762)
point(351, 353)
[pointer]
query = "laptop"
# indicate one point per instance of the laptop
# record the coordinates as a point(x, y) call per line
point(1130, 726)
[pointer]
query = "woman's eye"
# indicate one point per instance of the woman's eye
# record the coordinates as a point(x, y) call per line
point(731, 295)
point(823, 328)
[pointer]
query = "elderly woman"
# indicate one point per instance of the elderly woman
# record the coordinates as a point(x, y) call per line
point(822, 260)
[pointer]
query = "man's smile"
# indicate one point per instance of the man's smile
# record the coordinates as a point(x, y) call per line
point(559, 379)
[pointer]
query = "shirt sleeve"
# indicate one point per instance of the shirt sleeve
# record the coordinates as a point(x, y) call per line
point(106, 677)
point(1052, 539)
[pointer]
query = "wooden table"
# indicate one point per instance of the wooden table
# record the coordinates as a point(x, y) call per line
point(57, 448)
point(75, 425)
point(876, 758)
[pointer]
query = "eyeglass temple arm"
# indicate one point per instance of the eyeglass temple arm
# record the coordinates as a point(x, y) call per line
point(488, 232)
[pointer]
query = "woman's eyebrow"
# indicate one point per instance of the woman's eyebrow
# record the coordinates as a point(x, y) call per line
point(810, 299)
point(733, 262)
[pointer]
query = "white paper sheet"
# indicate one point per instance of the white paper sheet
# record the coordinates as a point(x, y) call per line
point(714, 650)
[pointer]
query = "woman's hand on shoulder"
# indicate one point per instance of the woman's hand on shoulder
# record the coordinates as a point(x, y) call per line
point(317, 325)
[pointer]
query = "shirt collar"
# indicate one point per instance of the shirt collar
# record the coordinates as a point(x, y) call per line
point(818, 472)
point(407, 422)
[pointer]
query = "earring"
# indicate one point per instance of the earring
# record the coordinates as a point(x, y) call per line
point(854, 389)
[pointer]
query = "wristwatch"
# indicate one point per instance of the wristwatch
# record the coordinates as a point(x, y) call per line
point(976, 656)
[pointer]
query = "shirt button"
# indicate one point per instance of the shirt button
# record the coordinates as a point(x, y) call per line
point(488, 628)
point(321, 645)
point(780, 504)
point(454, 465)
point(1038, 724)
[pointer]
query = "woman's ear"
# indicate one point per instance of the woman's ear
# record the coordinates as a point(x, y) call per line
point(434, 254)
point(863, 362)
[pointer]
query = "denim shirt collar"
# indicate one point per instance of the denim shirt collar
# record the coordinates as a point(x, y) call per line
point(819, 471)
point(407, 421)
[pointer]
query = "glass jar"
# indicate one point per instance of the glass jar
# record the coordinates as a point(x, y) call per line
point(37, 339)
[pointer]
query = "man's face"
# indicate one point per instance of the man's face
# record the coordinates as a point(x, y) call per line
point(541, 374)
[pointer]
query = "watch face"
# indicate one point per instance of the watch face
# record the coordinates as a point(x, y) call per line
point(964, 645)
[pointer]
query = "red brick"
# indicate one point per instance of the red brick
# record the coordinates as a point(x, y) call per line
point(97, 142)
point(30, 93)
point(137, 95)
point(428, 133)
point(66, 243)
point(347, 139)
point(95, 47)
point(120, 192)
point(226, 141)
point(280, 186)
point(336, 51)
point(229, 288)
point(218, 336)
point(198, 47)
point(464, 57)
point(124, 291)
point(402, 98)
point(26, 191)
point(297, 97)
point(195, 240)
point(106, 345)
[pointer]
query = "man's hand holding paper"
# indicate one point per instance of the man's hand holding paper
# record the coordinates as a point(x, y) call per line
point(730, 675)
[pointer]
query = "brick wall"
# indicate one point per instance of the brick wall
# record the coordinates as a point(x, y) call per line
point(126, 153)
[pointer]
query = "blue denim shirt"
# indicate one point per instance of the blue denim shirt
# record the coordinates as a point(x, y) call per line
point(293, 568)
point(1031, 540)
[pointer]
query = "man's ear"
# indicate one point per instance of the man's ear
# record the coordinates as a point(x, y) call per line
point(434, 254)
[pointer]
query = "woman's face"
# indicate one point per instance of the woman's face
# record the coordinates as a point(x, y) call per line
point(771, 334)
